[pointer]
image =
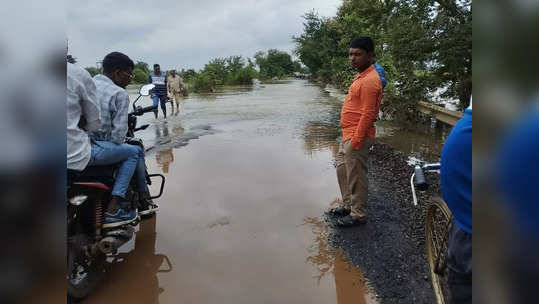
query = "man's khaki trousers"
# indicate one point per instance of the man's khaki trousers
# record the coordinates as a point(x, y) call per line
point(178, 98)
point(352, 176)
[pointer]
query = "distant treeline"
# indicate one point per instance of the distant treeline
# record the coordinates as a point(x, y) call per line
point(424, 45)
point(233, 70)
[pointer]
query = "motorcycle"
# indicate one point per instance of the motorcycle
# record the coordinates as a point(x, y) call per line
point(88, 243)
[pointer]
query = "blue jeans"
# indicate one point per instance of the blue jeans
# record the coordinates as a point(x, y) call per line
point(131, 160)
point(157, 98)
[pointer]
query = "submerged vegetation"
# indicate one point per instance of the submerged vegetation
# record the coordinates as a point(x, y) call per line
point(233, 70)
point(236, 70)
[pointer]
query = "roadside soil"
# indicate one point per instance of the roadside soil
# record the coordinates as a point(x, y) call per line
point(390, 248)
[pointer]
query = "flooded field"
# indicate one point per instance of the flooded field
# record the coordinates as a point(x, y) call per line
point(249, 172)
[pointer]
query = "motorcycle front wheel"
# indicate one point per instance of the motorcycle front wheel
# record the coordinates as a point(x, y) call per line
point(84, 271)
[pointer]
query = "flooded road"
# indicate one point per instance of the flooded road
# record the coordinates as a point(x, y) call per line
point(249, 174)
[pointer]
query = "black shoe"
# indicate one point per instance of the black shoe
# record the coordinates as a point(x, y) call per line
point(339, 211)
point(147, 207)
point(351, 221)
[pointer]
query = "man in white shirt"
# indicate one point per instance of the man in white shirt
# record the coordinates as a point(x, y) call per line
point(80, 103)
point(84, 115)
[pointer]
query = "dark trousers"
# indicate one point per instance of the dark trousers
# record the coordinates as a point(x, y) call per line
point(460, 265)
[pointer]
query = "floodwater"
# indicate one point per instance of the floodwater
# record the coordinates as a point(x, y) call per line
point(249, 172)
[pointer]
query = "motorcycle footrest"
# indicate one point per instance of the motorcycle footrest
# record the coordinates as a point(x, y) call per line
point(162, 184)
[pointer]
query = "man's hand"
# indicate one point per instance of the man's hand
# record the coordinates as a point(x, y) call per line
point(355, 144)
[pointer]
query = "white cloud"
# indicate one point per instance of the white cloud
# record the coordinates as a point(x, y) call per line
point(184, 34)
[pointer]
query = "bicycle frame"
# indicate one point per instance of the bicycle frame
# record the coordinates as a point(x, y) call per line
point(434, 167)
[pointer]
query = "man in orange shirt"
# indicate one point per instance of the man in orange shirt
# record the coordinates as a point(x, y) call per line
point(358, 114)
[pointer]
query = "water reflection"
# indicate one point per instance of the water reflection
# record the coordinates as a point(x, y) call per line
point(132, 276)
point(319, 135)
point(350, 283)
point(423, 142)
point(164, 158)
point(161, 131)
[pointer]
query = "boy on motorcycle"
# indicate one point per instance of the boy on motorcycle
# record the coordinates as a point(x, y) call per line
point(84, 114)
point(109, 139)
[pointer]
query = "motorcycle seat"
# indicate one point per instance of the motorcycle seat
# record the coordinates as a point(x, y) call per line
point(99, 171)
point(103, 174)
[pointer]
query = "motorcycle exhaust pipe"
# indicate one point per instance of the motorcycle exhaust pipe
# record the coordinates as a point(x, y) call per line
point(114, 239)
point(110, 244)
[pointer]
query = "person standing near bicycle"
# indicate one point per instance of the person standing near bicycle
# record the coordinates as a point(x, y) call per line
point(456, 184)
point(358, 114)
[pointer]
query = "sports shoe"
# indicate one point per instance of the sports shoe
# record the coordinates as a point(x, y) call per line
point(147, 206)
point(120, 218)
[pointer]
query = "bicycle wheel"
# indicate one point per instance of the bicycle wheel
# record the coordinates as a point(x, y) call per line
point(437, 224)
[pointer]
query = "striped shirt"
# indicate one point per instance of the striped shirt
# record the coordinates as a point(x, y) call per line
point(160, 82)
point(114, 103)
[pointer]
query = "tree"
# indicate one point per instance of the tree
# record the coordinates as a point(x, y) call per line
point(220, 71)
point(143, 66)
point(424, 46)
point(274, 63)
point(140, 76)
point(187, 74)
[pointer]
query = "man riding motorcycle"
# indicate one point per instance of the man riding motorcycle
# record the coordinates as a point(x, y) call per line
point(84, 114)
point(110, 137)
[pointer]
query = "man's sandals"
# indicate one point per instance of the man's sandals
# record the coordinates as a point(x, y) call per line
point(350, 221)
point(346, 220)
point(339, 211)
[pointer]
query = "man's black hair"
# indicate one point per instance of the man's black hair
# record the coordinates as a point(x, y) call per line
point(116, 61)
point(363, 42)
point(156, 65)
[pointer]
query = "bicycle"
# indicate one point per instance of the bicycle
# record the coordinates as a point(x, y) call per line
point(437, 224)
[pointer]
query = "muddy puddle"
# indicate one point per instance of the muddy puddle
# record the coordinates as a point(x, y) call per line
point(249, 173)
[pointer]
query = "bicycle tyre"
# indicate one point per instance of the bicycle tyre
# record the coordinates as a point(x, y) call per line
point(437, 223)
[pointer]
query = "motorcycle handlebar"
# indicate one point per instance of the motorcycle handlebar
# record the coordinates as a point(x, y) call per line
point(140, 111)
point(148, 109)
point(420, 181)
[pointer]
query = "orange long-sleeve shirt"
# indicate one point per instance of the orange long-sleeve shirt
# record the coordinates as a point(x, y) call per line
point(360, 108)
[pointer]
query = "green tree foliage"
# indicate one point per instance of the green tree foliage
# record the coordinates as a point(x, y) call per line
point(187, 75)
point(143, 66)
point(424, 46)
point(232, 70)
point(140, 76)
point(274, 63)
point(202, 82)
point(141, 72)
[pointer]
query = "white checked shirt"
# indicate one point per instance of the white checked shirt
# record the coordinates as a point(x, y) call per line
point(81, 101)
point(114, 102)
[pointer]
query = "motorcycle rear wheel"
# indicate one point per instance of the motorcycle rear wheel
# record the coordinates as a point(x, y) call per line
point(83, 272)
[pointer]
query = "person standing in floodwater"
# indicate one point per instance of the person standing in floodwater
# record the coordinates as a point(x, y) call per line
point(358, 114)
point(159, 93)
point(176, 88)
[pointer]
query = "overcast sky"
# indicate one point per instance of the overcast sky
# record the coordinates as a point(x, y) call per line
point(186, 33)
